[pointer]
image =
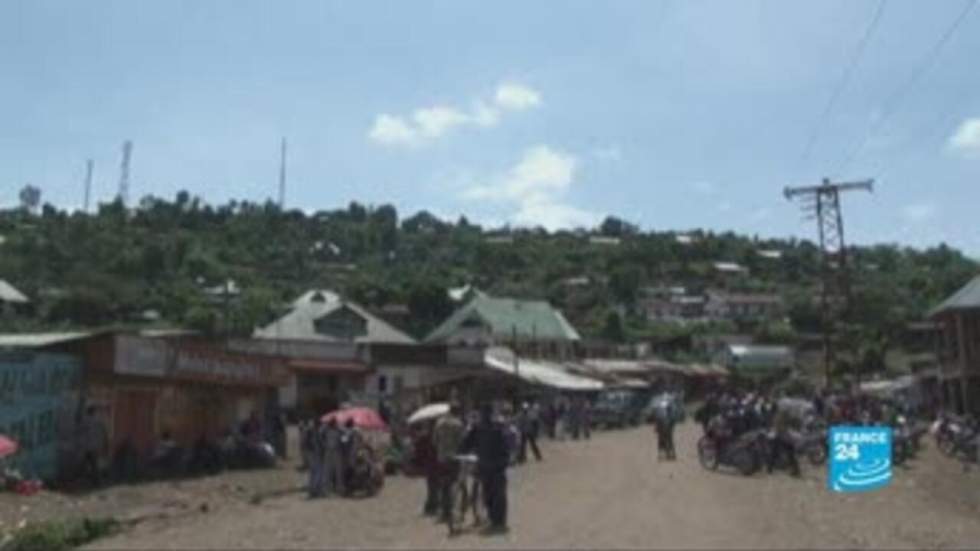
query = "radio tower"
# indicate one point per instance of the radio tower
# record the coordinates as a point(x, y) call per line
point(823, 203)
point(127, 151)
point(282, 176)
point(88, 183)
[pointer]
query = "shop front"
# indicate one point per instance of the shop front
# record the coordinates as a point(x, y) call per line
point(189, 389)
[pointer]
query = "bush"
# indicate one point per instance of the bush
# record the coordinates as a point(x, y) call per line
point(61, 535)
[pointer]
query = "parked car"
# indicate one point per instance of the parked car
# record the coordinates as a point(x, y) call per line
point(619, 408)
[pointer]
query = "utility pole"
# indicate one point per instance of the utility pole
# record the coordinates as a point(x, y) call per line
point(282, 175)
point(823, 204)
point(127, 150)
point(89, 165)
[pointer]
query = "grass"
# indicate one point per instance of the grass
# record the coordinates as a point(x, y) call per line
point(60, 535)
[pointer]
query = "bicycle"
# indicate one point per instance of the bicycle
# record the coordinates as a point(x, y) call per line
point(465, 495)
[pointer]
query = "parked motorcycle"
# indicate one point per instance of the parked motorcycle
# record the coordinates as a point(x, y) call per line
point(240, 453)
point(741, 452)
point(948, 430)
point(813, 445)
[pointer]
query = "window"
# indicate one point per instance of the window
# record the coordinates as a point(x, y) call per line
point(342, 323)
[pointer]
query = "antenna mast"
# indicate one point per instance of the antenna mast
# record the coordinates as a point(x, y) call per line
point(88, 183)
point(127, 150)
point(282, 176)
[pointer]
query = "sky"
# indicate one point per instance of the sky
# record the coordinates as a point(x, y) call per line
point(671, 114)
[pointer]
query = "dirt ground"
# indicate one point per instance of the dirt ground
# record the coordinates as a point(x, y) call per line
point(607, 492)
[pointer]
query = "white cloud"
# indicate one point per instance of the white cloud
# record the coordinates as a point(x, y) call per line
point(391, 130)
point(553, 216)
point(516, 97)
point(919, 212)
point(429, 123)
point(966, 140)
point(536, 186)
point(610, 153)
point(542, 170)
point(484, 115)
point(433, 122)
point(724, 207)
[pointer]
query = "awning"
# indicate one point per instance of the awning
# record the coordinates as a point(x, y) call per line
point(328, 367)
point(538, 372)
point(631, 383)
point(707, 370)
point(661, 366)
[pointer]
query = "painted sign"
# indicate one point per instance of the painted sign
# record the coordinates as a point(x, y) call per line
point(142, 356)
point(208, 365)
point(39, 395)
point(860, 458)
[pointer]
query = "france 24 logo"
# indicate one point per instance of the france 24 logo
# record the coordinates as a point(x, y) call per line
point(860, 458)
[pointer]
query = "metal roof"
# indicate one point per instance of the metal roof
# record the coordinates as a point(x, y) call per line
point(40, 340)
point(539, 372)
point(616, 366)
point(968, 297)
point(300, 323)
point(8, 293)
point(505, 316)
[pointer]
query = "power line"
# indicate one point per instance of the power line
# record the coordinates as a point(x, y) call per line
point(844, 80)
point(894, 101)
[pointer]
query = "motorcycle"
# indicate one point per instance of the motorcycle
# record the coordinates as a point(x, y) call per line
point(240, 453)
point(813, 445)
point(948, 430)
point(740, 452)
point(961, 441)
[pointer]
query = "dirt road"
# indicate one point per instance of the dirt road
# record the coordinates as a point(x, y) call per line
point(607, 492)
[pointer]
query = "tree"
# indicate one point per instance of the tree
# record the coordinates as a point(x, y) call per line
point(625, 283)
point(616, 227)
point(429, 305)
point(613, 328)
point(30, 198)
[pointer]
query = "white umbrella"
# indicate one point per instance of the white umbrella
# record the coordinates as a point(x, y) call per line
point(429, 412)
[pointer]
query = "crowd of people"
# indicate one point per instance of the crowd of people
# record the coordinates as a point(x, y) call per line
point(338, 459)
point(499, 436)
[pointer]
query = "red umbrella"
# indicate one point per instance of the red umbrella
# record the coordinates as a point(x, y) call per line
point(365, 418)
point(7, 446)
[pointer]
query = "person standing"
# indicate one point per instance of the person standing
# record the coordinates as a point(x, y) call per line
point(447, 437)
point(426, 459)
point(315, 459)
point(351, 441)
point(587, 418)
point(782, 442)
point(529, 423)
point(333, 463)
point(95, 445)
point(489, 441)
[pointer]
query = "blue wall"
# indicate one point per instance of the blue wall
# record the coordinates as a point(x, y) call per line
point(39, 395)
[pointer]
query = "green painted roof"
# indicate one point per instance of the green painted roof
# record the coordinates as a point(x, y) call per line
point(529, 318)
point(967, 297)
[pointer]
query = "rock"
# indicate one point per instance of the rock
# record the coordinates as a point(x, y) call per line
point(204, 508)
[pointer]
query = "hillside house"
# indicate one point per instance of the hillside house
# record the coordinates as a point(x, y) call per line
point(739, 307)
